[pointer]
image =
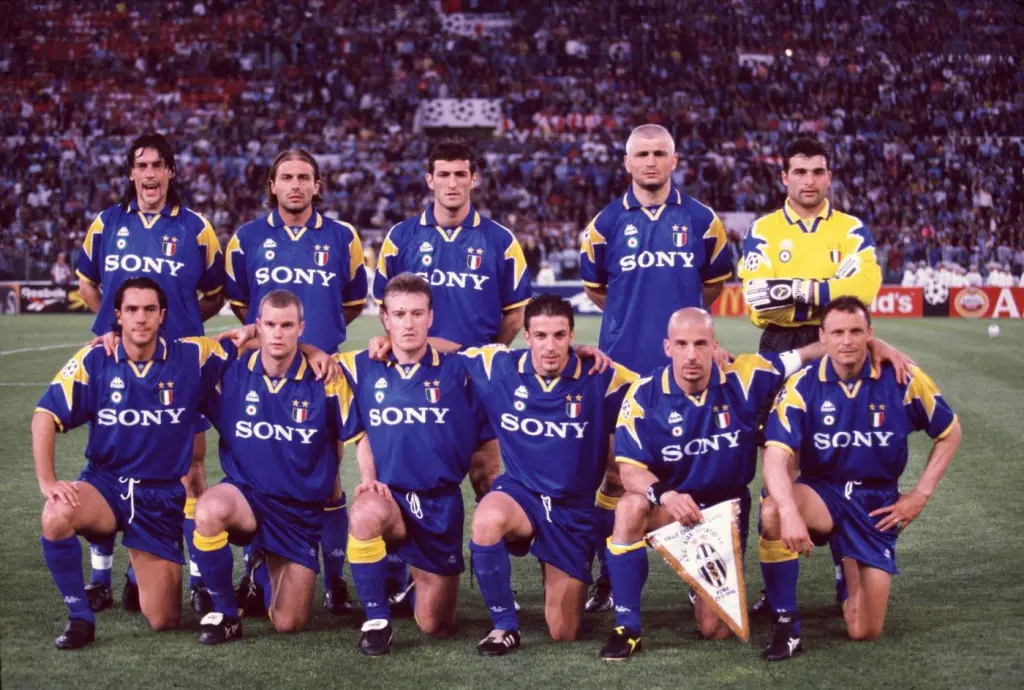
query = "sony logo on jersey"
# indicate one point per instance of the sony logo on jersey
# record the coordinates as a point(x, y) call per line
point(407, 415)
point(437, 277)
point(699, 446)
point(656, 260)
point(265, 431)
point(141, 264)
point(111, 417)
point(285, 275)
point(535, 427)
point(857, 439)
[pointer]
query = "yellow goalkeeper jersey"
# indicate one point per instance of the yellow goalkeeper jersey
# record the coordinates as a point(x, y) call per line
point(783, 245)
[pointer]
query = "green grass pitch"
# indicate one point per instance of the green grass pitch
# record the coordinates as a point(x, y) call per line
point(956, 617)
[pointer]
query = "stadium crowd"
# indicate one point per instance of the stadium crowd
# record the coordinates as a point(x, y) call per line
point(919, 102)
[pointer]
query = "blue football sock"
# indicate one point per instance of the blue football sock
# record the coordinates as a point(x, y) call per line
point(130, 574)
point(628, 567)
point(215, 561)
point(64, 559)
point(368, 561)
point(780, 568)
point(397, 573)
point(494, 575)
point(195, 578)
point(102, 552)
point(334, 539)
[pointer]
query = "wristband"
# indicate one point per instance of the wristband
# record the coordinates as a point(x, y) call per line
point(655, 491)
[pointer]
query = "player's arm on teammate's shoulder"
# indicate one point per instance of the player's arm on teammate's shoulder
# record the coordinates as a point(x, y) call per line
point(511, 324)
point(90, 293)
point(324, 366)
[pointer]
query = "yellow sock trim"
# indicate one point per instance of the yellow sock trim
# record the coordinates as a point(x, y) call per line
point(217, 541)
point(190, 508)
point(369, 551)
point(607, 502)
point(775, 552)
point(619, 549)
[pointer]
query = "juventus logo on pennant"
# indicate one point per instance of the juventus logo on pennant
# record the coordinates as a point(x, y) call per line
point(877, 415)
point(573, 408)
point(433, 391)
point(679, 235)
point(475, 259)
point(166, 392)
point(722, 417)
point(170, 245)
point(300, 411)
point(320, 254)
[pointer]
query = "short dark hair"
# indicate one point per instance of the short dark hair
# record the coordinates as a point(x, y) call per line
point(452, 150)
point(280, 299)
point(807, 147)
point(548, 305)
point(293, 155)
point(158, 143)
point(407, 284)
point(848, 305)
point(138, 283)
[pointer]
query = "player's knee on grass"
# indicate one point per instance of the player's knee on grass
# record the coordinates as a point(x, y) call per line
point(162, 620)
point(861, 630)
point(711, 626)
point(285, 621)
point(58, 520)
point(561, 628)
point(630, 518)
point(771, 522)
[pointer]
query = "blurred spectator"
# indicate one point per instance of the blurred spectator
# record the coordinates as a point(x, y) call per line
point(60, 272)
point(545, 276)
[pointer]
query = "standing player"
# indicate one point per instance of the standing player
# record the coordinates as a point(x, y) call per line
point(797, 259)
point(686, 440)
point(132, 482)
point(475, 267)
point(151, 233)
point(422, 424)
point(847, 423)
point(320, 260)
point(646, 255)
point(269, 406)
point(554, 420)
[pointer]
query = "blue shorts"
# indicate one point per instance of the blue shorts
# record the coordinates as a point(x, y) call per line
point(150, 514)
point(706, 501)
point(854, 534)
point(203, 425)
point(289, 529)
point(564, 530)
point(433, 523)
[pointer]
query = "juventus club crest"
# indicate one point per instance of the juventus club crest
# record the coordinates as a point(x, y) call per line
point(320, 254)
point(679, 235)
point(475, 259)
point(722, 417)
point(300, 411)
point(433, 391)
point(170, 245)
point(166, 392)
point(573, 407)
point(877, 415)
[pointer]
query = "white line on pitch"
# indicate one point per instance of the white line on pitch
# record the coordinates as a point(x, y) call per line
point(4, 384)
point(62, 346)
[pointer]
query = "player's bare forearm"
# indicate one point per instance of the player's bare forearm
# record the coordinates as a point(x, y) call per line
point(938, 461)
point(241, 311)
point(90, 294)
point(443, 345)
point(597, 295)
point(612, 485)
point(635, 479)
point(210, 305)
point(511, 324)
point(711, 292)
point(195, 480)
point(811, 352)
point(364, 458)
point(44, 440)
point(778, 480)
point(352, 311)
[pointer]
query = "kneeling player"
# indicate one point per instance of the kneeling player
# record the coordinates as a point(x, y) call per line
point(279, 430)
point(848, 424)
point(132, 483)
point(553, 419)
point(422, 424)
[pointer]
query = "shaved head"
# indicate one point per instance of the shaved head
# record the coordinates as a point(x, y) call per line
point(691, 345)
point(691, 317)
point(649, 132)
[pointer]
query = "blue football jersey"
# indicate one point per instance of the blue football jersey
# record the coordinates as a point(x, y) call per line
point(476, 271)
point(554, 432)
point(653, 261)
point(699, 444)
point(855, 430)
point(321, 262)
point(423, 420)
point(176, 247)
point(280, 435)
point(142, 415)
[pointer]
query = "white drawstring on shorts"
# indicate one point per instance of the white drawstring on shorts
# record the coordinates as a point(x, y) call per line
point(130, 496)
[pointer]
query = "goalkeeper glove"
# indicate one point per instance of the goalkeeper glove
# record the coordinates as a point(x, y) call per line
point(768, 295)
